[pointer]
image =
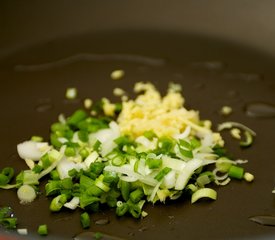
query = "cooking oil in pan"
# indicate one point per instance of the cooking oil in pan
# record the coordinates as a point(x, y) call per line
point(44, 107)
point(95, 235)
point(260, 110)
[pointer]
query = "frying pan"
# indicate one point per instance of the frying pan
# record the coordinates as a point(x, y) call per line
point(222, 52)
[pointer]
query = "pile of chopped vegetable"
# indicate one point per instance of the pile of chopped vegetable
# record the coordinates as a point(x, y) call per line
point(147, 149)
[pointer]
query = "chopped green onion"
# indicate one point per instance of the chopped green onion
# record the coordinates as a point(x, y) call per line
point(195, 143)
point(162, 173)
point(153, 163)
point(185, 144)
point(4, 180)
point(110, 177)
point(37, 168)
point(54, 175)
point(118, 160)
point(83, 135)
point(166, 145)
point(220, 151)
point(204, 193)
point(149, 134)
point(85, 182)
point(223, 164)
point(96, 145)
point(54, 141)
point(236, 172)
point(229, 125)
point(84, 153)
point(53, 187)
point(248, 177)
point(6, 175)
point(28, 177)
point(186, 153)
point(87, 200)
point(97, 168)
point(37, 139)
point(99, 183)
point(95, 191)
point(122, 208)
point(98, 236)
point(248, 140)
point(134, 210)
point(192, 187)
point(42, 230)
point(67, 183)
point(26, 194)
point(7, 218)
point(125, 190)
point(85, 220)
point(76, 117)
point(122, 141)
point(92, 162)
point(70, 152)
point(136, 195)
point(58, 202)
point(9, 222)
point(205, 178)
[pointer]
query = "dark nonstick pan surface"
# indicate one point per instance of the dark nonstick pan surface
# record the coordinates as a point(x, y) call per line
point(213, 72)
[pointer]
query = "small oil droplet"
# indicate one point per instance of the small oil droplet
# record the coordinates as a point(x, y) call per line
point(260, 110)
point(246, 77)
point(263, 220)
point(44, 105)
point(209, 65)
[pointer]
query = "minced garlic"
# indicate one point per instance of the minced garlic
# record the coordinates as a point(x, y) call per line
point(108, 107)
point(149, 111)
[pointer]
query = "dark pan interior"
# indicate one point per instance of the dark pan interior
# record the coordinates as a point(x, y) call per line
point(213, 73)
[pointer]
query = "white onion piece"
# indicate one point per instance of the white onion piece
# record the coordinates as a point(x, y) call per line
point(32, 150)
point(73, 204)
point(106, 137)
point(125, 170)
point(64, 166)
point(30, 163)
point(184, 134)
point(128, 179)
point(209, 156)
point(224, 182)
point(219, 177)
point(75, 138)
point(188, 171)
point(91, 158)
point(173, 163)
point(169, 180)
point(62, 140)
point(146, 143)
point(108, 146)
point(156, 188)
point(143, 141)
point(22, 231)
point(207, 140)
